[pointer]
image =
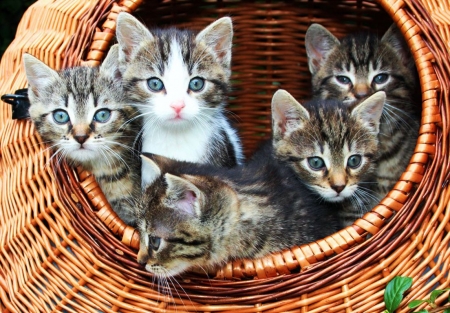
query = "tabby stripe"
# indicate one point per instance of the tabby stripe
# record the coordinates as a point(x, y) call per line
point(192, 256)
point(116, 176)
point(182, 241)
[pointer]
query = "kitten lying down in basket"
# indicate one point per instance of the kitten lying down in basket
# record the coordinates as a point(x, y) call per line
point(202, 216)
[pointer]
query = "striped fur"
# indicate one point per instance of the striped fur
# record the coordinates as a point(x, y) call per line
point(331, 148)
point(201, 216)
point(101, 147)
point(356, 67)
point(180, 122)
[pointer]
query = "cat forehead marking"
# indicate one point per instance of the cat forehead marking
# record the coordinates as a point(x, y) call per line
point(176, 76)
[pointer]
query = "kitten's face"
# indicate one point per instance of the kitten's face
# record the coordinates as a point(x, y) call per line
point(176, 223)
point(359, 65)
point(328, 145)
point(174, 77)
point(78, 111)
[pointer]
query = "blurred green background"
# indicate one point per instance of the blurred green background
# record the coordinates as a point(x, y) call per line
point(11, 12)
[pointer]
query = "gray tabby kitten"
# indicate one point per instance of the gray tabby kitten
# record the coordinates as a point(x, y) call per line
point(179, 83)
point(194, 215)
point(331, 147)
point(356, 67)
point(81, 113)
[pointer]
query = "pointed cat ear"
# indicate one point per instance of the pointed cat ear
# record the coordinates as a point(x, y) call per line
point(394, 38)
point(184, 194)
point(369, 111)
point(110, 64)
point(130, 33)
point(39, 75)
point(319, 43)
point(151, 173)
point(287, 114)
point(219, 36)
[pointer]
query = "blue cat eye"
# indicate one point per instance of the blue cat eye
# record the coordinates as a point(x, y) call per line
point(380, 78)
point(316, 163)
point(196, 84)
point(61, 117)
point(343, 79)
point(154, 242)
point(354, 161)
point(102, 116)
point(155, 84)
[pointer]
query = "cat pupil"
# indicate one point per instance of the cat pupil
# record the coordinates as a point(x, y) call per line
point(60, 116)
point(154, 242)
point(196, 84)
point(316, 163)
point(354, 161)
point(155, 84)
point(343, 79)
point(102, 116)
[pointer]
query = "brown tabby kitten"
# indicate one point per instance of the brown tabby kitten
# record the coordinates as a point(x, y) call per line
point(360, 65)
point(331, 148)
point(194, 215)
point(80, 112)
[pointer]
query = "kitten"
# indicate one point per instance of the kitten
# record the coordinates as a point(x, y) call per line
point(194, 215)
point(356, 67)
point(81, 113)
point(331, 147)
point(179, 83)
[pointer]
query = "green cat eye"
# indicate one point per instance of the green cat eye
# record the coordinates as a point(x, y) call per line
point(380, 78)
point(155, 84)
point(102, 116)
point(61, 117)
point(154, 242)
point(354, 161)
point(316, 163)
point(343, 79)
point(196, 84)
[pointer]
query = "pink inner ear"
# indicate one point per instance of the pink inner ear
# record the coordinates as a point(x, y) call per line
point(187, 202)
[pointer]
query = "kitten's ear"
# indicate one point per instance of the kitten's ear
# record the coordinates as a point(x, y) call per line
point(39, 75)
point(369, 111)
point(110, 65)
point(151, 173)
point(130, 33)
point(319, 42)
point(184, 194)
point(394, 38)
point(219, 36)
point(287, 114)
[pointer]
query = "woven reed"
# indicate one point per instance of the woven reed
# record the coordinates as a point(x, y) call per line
point(63, 250)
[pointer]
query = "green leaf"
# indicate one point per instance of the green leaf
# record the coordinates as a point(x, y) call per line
point(422, 311)
point(393, 294)
point(415, 303)
point(436, 293)
point(447, 311)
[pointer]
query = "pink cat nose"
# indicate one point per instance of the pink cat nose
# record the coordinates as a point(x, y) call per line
point(338, 188)
point(177, 106)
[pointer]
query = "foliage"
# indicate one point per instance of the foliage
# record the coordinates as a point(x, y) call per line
point(393, 295)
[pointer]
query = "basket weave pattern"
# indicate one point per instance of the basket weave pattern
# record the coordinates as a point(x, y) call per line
point(63, 249)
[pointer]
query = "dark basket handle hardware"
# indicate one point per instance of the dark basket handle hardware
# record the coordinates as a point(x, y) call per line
point(20, 103)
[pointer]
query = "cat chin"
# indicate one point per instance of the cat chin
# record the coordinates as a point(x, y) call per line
point(83, 155)
point(163, 272)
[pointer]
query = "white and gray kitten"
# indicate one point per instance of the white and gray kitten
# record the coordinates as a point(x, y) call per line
point(179, 82)
point(81, 113)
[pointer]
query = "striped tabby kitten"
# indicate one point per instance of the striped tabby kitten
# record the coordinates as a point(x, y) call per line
point(356, 67)
point(330, 146)
point(81, 113)
point(196, 215)
point(179, 82)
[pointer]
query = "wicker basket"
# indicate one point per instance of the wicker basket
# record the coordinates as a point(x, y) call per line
point(62, 248)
